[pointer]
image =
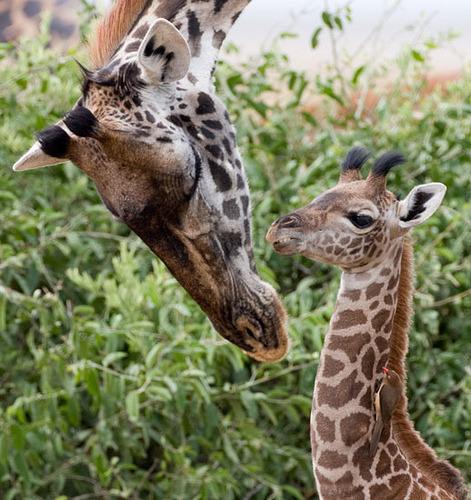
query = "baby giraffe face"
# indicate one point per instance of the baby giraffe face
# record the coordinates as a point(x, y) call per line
point(353, 224)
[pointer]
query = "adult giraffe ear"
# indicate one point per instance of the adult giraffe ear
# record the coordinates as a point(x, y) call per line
point(420, 204)
point(164, 54)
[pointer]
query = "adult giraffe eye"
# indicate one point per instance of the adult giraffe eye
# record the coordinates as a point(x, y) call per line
point(361, 221)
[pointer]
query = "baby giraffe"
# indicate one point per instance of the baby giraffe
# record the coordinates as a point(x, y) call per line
point(362, 228)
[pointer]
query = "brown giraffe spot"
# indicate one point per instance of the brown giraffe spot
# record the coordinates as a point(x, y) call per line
point(349, 318)
point(331, 490)
point(344, 240)
point(353, 295)
point(380, 319)
point(327, 239)
point(325, 428)
point(398, 255)
point(374, 305)
point(399, 463)
point(393, 281)
point(388, 299)
point(371, 251)
point(393, 449)
point(381, 343)
point(338, 250)
point(351, 345)
point(398, 486)
point(367, 363)
point(332, 459)
point(332, 366)
point(366, 400)
point(355, 242)
point(379, 252)
point(329, 249)
point(373, 290)
point(385, 272)
point(362, 460)
point(354, 427)
point(384, 464)
point(339, 395)
point(141, 31)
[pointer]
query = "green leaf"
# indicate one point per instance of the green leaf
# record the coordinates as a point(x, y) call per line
point(160, 393)
point(22, 468)
point(327, 18)
point(228, 448)
point(4, 449)
point(417, 56)
point(357, 74)
point(91, 381)
point(132, 405)
point(112, 357)
point(315, 38)
point(309, 118)
point(17, 436)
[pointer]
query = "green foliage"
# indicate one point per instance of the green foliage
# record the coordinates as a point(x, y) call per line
point(113, 382)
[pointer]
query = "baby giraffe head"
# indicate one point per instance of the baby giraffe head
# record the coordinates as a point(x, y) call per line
point(353, 224)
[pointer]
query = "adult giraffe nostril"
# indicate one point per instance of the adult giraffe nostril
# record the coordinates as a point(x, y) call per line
point(251, 333)
point(287, 221)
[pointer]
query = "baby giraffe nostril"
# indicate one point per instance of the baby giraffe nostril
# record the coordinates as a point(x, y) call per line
point(287, 221)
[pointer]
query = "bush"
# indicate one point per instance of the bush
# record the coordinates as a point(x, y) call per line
point(114, 383)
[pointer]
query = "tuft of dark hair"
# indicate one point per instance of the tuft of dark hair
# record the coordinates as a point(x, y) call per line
point(81, 121)
point(386, 162)
point(355, 158)
point(54, 141)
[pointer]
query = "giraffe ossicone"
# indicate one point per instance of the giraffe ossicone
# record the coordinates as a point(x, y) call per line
point(161, 150)
point(363, 228)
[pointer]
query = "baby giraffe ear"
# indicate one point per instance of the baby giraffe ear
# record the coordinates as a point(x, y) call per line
point(164, 54)
point(420, 204)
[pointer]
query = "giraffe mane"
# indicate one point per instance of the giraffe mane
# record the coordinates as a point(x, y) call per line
point(408, 439)
point(111, 29)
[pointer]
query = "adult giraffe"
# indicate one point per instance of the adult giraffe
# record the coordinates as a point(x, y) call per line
point(363, 228)
point(161, 150)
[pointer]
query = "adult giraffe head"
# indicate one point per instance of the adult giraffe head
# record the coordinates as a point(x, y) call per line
point(161, 151)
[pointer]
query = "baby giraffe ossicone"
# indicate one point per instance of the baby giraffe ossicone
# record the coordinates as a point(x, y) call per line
point(362, 228)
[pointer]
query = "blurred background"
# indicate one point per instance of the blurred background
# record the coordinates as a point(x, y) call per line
point(377, 31)
point(113, 383)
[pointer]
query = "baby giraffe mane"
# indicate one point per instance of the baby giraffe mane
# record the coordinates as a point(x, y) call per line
point(112, 28)
point(408, 439)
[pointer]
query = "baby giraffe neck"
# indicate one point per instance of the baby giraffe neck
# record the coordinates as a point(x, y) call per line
point(357, 346)
point(355, 349)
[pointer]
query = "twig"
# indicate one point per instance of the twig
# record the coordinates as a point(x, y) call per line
point(442, 302)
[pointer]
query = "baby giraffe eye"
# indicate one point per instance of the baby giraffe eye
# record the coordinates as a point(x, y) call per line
point(361, 221)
